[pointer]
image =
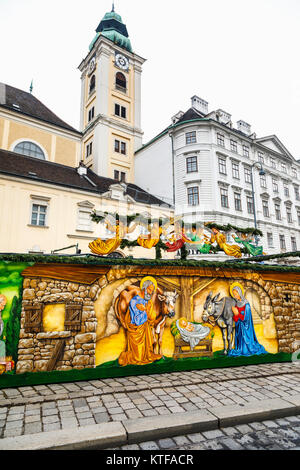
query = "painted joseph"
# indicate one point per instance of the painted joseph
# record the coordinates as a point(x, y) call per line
point(138, 322)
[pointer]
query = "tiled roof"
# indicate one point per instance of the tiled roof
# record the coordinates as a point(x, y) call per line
point(25, 103)
point(14, 164)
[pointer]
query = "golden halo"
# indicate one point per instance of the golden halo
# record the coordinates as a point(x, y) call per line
point(236, 284)
point(148, 278)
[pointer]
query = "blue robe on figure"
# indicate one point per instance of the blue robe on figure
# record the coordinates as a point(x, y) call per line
point(246, 343)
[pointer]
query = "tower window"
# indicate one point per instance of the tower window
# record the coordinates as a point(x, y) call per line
point(91, 113)
point(120, 147)
point(120, 176)
point(121, 83)
point(193, 196)
point(30, 149)
point(89, 149)
point(92, 83)
point(191, 165)
point(120, 111)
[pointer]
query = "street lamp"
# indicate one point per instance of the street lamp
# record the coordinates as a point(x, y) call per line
point(261, 173)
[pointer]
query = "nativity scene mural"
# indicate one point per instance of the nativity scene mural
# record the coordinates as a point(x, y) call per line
point(116, 318)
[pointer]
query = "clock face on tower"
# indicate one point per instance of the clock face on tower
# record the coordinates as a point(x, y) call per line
point(122, 62)
point(92, 65)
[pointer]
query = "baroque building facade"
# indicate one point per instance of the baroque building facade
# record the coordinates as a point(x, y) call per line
point(207, 167)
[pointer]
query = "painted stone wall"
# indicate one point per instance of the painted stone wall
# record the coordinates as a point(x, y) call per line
point(36, 349)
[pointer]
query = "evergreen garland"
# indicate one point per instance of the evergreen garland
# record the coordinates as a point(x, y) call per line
point(229, 227)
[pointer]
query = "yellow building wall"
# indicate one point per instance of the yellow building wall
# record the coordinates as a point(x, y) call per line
point(17, 235)
point(58, 148)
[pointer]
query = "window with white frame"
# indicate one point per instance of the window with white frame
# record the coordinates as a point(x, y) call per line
point(250, 205)
point(30, 149)
point(294, 173)
point(237, 201)
point(191, 164)
point(120, 146)
point(233, 145)
point(193, 196)
point(260, 157)
point(222, 166)
point(273, 162)
point(84, 221)
point(89, 149)
point(283, 168)
point(224, 197)
point(289, 215)
point(265, 205)
point(190, 137)
point(294, 243)
point(286, 190)
point(297, 193)
point(39, 209)
point(270, 239)
point(235, 170)
point(120, 111)
point(91, 114)
point(245, 150)
point(275, 185)
point(247, 172)
point(282, 242)
point(263, 181)
point(277, 211)
point(220, 140)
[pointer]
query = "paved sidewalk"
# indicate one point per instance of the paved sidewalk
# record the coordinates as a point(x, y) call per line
point(44, 408)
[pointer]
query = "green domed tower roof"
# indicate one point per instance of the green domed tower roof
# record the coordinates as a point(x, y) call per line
point(113, 28)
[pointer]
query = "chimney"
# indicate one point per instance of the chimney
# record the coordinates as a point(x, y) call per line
point(244, 127)
point(199, 104)
point(223, 116)
point(177, 116)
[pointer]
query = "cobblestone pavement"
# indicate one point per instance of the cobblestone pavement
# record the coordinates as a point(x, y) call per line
point(279, 434)
point(34, 409)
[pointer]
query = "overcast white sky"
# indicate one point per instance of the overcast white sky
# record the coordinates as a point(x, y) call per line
point(239, 55)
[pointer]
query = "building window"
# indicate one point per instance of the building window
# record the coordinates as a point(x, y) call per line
point(263, 181)
point(282, 242)
point(235, 170)
point(233, 146)
point(120, 147)
point(289, 215)
point(270, 240)
point(191, 164)
point(298, 217)
point(297, 194)
point(30, 149)
point(120, 111)
point(266, 211)
point(193, 196)
point(220, 140)
point(277, 212)
point(224, 197)
point(294, 243)
point(121, 83)
point(275, 185)
point(283, 168)
point(222, 166)
point(38, 214)
point(246, 151)
point(294, 173)
point(190, 137)
point(91, 113)
point(250, 205)
point(89, 149)
point(237, 201)
point(273, 162)
point(260, 157)
point(120, 176)
point(286, 190)
point(84, 221)
point(92, 83)
point(247, 171)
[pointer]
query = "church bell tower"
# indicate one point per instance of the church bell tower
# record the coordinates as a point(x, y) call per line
point(110, 117)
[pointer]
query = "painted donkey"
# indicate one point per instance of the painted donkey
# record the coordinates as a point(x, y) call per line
point(219, 311)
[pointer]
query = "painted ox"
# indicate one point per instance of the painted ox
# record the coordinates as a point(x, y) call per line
point(163, 304)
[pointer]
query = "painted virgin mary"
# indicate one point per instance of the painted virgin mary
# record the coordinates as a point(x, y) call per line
point(246, 343)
